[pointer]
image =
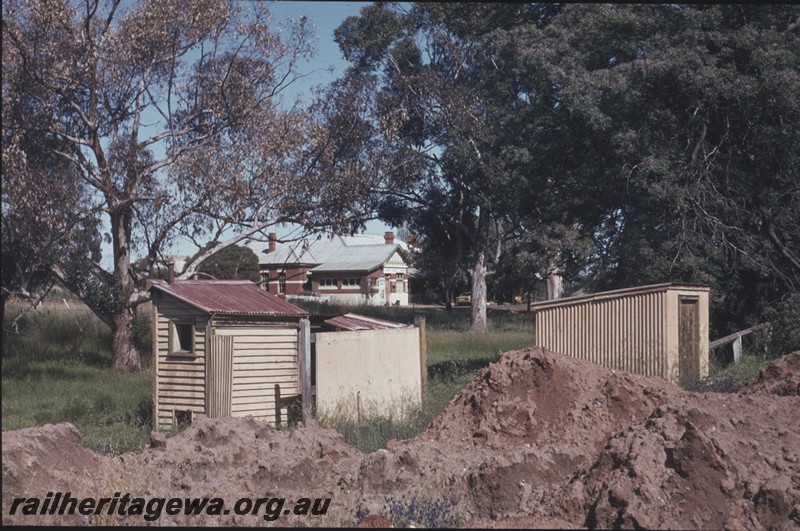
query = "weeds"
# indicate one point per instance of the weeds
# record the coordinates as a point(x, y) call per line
point(419, 511)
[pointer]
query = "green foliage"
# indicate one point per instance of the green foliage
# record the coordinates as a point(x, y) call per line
point(56, 369)
point(236, 262)
point(784, 318)
point(687, 159)
point(624, 144)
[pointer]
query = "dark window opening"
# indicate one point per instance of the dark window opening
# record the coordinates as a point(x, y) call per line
point(181, 338)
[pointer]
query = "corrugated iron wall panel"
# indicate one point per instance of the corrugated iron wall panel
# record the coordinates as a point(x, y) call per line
point(624, 333)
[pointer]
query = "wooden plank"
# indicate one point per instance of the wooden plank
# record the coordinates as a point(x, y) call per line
point(266, 342)
point(264, 366)
point(258, 404)
point(255, 393)
point(266, 352)
point(261, 331)
point(186, 383)
point(733, 337)
point(174, 403)
point(261, 385)
point(423, 352)
point(304, 355)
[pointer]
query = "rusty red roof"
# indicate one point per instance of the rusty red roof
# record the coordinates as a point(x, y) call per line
point(352, 321)
point(239, 297)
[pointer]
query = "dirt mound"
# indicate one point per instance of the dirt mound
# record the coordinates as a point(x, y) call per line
point(534, 396)
point(536, 440)
point(781, 378)
point(46, 459)
point(702, 462)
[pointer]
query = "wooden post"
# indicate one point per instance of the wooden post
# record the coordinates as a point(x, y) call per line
point(304, 347)
point(737, 350)
point(156, 352)
point(423, 354)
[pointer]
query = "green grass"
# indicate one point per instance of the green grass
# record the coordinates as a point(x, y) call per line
point(725, 376)
point(57, 368)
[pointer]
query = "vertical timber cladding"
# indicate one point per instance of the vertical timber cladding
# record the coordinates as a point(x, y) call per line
point(263, 355)
point(635, 330)
point(180, 378)
point(219, 376)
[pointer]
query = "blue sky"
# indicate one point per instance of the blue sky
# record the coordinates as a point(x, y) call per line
point(325, 17)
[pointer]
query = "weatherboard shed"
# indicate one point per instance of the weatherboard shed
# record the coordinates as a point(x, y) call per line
point(223, 348)
point(656, 330)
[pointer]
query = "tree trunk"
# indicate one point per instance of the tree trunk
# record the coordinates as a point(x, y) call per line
point(126, 356)
point(477, 321)
point(555, 282)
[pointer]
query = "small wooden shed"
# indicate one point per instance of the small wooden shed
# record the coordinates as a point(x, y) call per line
point(223, 348)
point(657, 330)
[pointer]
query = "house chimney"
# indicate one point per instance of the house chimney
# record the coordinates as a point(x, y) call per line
point(388, 237)
point(171, 271)
point(273, 240)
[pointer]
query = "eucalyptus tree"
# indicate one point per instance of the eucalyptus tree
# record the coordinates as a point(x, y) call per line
point(439, 95)
point(171, 117)
point(688, 116)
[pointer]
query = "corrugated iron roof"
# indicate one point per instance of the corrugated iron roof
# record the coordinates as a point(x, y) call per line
point(617, 293)
point(352, 321)
point(361, 252)
point(234, 297)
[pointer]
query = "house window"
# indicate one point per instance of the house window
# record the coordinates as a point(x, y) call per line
point(351, 282)
point(282, 282)
point(401, 276)
point(181, 338)
point(328, 283)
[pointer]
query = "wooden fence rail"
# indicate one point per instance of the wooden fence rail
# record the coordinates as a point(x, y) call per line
point(736, 339)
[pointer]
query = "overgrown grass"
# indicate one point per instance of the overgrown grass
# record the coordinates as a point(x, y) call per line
point(725, 376)
point(57, 368)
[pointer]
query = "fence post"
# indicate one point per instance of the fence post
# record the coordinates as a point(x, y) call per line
point(423, 354)
point(304, 347)
point(737, 350)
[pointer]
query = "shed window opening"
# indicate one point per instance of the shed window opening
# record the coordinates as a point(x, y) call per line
point(181, 338)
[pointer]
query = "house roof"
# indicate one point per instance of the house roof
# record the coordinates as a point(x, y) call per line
point(340, 253)
point(229, 297)
point(352, 321)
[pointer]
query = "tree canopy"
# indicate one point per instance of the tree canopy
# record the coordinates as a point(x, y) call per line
point(164, 120)
point(236, 262)
point(613, 144)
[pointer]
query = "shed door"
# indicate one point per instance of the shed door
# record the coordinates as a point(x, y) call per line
point(219, 377)
point(689, 340)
